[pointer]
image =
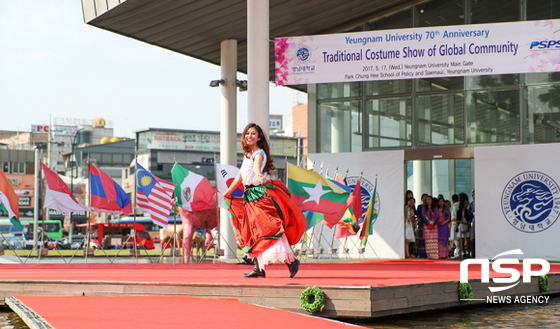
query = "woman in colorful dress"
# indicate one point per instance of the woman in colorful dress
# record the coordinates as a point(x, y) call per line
point(420, 243)
point(429, 218)
point(266, 221)
point(409, 220)
point(443, 225)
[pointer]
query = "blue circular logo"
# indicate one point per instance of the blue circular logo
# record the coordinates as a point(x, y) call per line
point(531, 201)
point(303, 54)
point(367, 190)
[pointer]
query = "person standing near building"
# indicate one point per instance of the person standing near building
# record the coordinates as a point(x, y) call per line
point(429, 217)
point(420, 243)
point(443, 224)
point(409, 221)
point(454, 231)
point(464, 218)
point(267, 221)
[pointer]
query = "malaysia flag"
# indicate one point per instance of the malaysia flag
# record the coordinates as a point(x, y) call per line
point(154, 195)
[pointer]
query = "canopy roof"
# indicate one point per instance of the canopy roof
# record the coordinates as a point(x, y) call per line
point(196, 28)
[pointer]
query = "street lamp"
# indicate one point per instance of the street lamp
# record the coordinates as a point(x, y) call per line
point(71, 229)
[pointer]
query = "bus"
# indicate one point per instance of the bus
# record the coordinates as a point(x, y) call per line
point(153, 229)
point(53, 228)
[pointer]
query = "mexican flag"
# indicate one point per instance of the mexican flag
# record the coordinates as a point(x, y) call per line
point(193, 191)
point(9, 201)
point(310, 191)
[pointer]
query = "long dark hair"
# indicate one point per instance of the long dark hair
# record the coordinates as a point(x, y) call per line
point(262, 143)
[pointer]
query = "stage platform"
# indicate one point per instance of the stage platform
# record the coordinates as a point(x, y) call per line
point(363, 289)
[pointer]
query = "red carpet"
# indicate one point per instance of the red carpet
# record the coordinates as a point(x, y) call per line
point(166, 313)
point(371, 273)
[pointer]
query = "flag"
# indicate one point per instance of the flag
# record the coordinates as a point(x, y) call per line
point(225, 174)
point(9, 201)
point(58, 196)
point(332, 220)
point(105, 194)
point(356, 200)
point(310, 191)
point(339, 179)
point(370, 217)
point(193, 191)
point(154, 195)
point(312, 218)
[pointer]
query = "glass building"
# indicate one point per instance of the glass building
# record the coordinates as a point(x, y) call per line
point(437, 121)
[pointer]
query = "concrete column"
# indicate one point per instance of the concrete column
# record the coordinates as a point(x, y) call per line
point(258, 62)
point(228, 133)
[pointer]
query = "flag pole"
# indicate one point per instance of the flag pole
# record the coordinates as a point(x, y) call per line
point(134, 206)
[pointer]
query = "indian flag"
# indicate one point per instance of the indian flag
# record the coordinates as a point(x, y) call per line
point(310, 191)
point(193, 191)
point(9, 201)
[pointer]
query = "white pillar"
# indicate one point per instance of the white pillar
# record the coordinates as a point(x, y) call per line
point(36, 206)
point(258, 62)
point(228, 133)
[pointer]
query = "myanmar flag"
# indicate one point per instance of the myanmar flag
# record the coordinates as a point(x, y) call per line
point(193, 191)
point(9, 201)
point(310, 191)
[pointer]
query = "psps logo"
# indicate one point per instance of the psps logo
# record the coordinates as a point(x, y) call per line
point(545, 44)
point(303, 54)
point(531, 201)
point(367, 190)
point(528, 270)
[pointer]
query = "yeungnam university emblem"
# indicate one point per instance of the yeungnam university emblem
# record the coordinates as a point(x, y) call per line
point(531, 201)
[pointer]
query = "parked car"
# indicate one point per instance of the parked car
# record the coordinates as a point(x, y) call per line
point(13, 241)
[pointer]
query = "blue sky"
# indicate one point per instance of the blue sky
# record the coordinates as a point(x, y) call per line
point(52, 64)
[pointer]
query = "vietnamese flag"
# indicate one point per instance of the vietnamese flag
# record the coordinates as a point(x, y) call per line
point(310, 191)
point(106, 194)
point(9, 201)
point(58, 195)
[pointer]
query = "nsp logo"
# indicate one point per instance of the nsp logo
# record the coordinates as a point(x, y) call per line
point(545, 44)
point(497, 267)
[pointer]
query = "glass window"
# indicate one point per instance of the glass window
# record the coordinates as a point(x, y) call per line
point(543, 103)
point(5, 166)
point(493, 116)
point(106, 158)
point(492, 81)
point(118, 159)
point(494, 11)
point(542, 9)
point(18, 168)
point(534, 78)
point(440, 12)
point(440, 84)
point(388, 87)
point(389, 122)
point(440, 119)
point(339, 90)
point(340, 125)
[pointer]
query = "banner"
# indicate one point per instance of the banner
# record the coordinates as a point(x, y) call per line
point(517, 200)
point(445, 51)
